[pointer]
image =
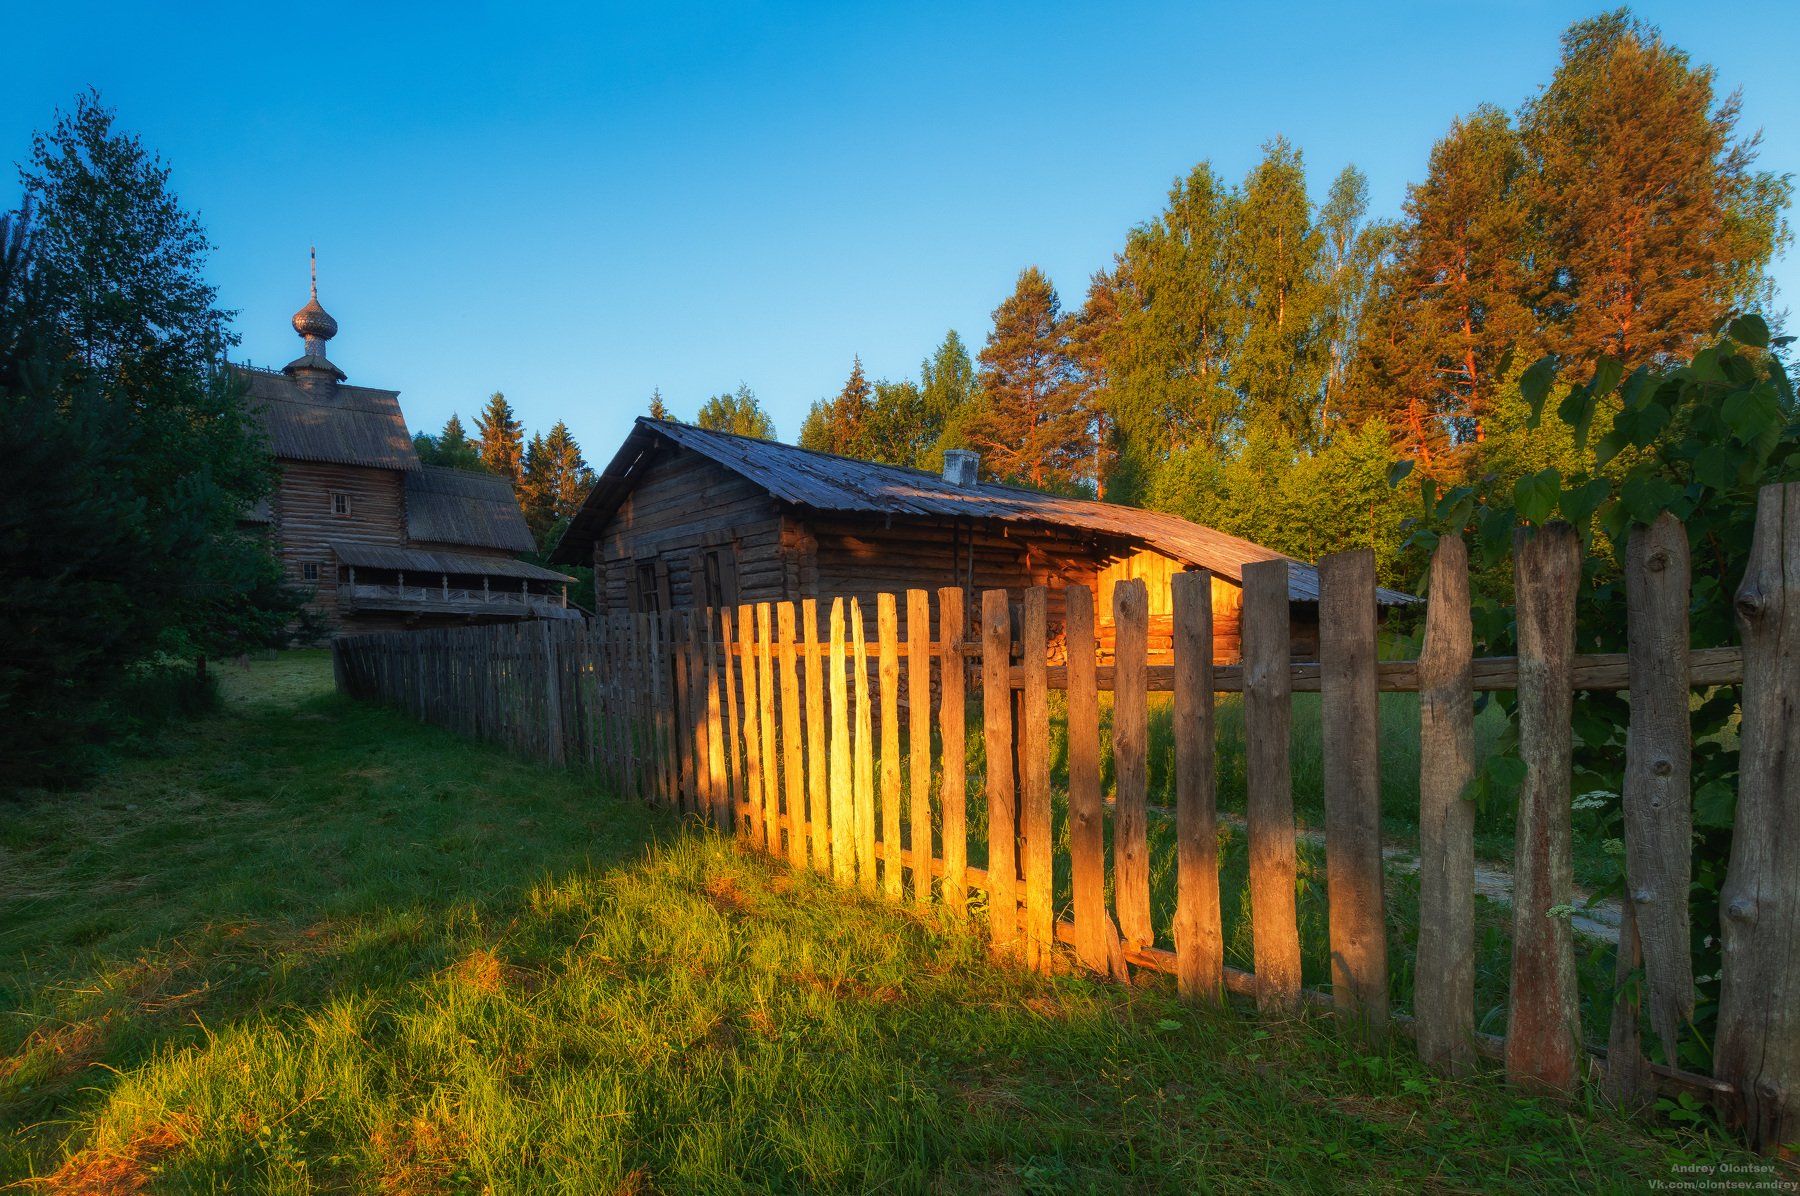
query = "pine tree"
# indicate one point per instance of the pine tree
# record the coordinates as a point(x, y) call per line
point(658, 409)
point(554, 483)
point(501, 437)
point(738, 413)
point(1452, 306)
point(947, 381)
point(1650, 223)
point(534, 487)
point(837, 425)
point(1032, 426)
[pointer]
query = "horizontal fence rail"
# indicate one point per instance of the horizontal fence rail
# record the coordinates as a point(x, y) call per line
point(823, 734)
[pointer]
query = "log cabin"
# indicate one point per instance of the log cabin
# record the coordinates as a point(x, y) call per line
point(686, 517)
point(379, 540)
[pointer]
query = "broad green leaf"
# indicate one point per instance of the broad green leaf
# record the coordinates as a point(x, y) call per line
point(1536, 495)
point(1534, 385)
point(1714, 467)
point(1398, 470)
point(1579, 503)
point(1750, 329)
point(1607, 372)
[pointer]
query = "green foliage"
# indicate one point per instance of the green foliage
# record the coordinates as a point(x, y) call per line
point(130, 459)
point(1696, 441)
point(737, 413)
point(1305, 504)
point(450, 447)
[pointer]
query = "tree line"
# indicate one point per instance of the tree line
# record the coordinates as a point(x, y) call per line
point(1254, 360)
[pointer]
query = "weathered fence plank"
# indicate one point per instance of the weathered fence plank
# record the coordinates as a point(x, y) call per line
point(1351, 756)
point(996, 726)
point(1658, 819)
point(715, 726)
point(1034, 782)
point(733, 722)
point(843, 801)
point(864, 754)
point(1269, 801)
point(818, 758)
point(1543, 1027)
point(753, 735)
point(765, 718)
point(952, 692)
point(1131, 847)
point(1199, 929)
point(1444, 972)
point(793, 717)
point(918, 739)
point(1087, 817)
point(887, 632)
point(1759, 1008)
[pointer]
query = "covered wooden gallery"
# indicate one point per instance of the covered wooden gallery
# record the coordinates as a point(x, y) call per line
point(685, 517)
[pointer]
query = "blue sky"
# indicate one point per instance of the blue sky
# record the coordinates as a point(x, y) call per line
point(577, 204)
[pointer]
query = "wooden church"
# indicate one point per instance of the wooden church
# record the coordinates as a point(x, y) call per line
point(380, 540)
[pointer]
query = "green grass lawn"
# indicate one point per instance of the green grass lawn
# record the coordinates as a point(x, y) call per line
point(310, 945)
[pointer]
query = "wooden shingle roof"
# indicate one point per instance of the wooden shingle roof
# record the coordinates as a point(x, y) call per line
point(455, 506)
point(824, 482)
point(345, 425)
point(425, 562)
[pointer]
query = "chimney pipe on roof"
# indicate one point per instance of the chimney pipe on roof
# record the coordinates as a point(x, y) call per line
point(962, 467)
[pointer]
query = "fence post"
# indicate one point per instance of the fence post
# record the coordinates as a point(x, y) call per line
point(887, 635)
point(843, 801)
point(1351, 755)
point(793, 760)
point(1087, 816)
point(553, 728)
point(1543, 1026)
point(818, 764)
point(1444, 973)
point(996, 726)
point(753, 735)
point(918, 738)
point(1658, 819)
point(952, 696)
point(1034, 783)
point(1199, 936)
point(1131, 864)
point(1269, 804)
point(864, 753)
point(765, 717)
point(1759, 1005)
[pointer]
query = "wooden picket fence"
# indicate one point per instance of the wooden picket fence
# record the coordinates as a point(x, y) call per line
point(759, 720)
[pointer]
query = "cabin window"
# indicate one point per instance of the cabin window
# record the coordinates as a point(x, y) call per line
point(310, 570)
point(340, 503)
point(646, 587)
point(718, 579)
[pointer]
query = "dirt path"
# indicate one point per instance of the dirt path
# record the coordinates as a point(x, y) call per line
point(1598, 920)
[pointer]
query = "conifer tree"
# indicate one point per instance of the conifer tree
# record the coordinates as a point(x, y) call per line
point(1032, 426)
point(658, 409)
point(1454, 304)
point(1650, 222)
point(837, 425)
point(555, 481)
point(501, 437)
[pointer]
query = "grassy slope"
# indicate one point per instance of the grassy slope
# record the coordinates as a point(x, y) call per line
point(314, 946)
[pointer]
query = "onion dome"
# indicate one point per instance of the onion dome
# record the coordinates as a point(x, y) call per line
point(313, 322)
